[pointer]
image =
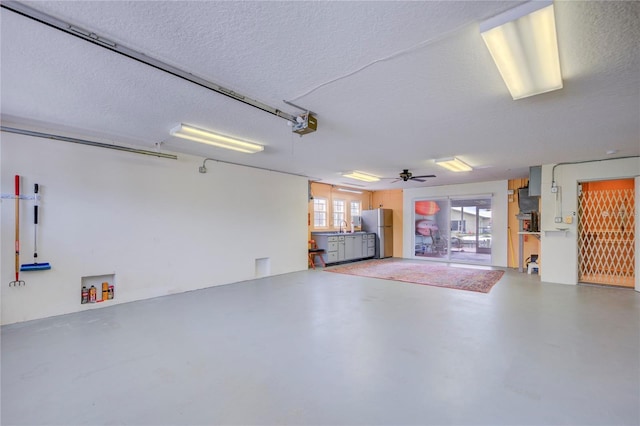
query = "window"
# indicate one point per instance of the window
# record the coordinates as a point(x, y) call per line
point(459, 225)
point(355, 213)
point(319, 212)
point(338, 213)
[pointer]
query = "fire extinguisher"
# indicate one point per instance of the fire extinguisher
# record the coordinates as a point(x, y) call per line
point(85, 295)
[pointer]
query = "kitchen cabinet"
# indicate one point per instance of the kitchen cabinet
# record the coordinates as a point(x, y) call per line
point(353, 246)
point(340, 247)
point(371, 245)
point(331, 252)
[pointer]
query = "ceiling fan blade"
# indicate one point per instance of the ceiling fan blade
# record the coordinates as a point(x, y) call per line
point(424, 176)
point(418, 180)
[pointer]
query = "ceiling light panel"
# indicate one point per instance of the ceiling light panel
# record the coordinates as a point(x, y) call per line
point(208, 137)
point(366, 177)
point(454, 164)
point(353, 191)
point(523, 44)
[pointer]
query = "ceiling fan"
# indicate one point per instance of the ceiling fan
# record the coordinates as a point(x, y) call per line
point(406, 175)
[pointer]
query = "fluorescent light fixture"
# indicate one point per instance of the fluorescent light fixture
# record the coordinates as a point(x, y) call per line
point(524, 46)
point(353, 191)
point(205, 136)
point(454, 165)
point(361, 176)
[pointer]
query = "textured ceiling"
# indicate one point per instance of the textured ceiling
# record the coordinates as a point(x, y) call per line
point(395, 84)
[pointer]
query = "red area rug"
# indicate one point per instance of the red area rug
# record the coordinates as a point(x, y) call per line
point(426, 273)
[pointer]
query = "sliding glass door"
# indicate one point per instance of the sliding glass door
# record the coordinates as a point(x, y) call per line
point(453, 229)
point(431, 224)
point(470, 231)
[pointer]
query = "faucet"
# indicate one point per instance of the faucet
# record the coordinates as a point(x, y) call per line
point(345, 226)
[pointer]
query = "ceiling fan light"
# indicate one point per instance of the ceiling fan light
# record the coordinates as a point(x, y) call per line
point(365, 177)
point(454, 164)
point(195, 134)
point(524, 45)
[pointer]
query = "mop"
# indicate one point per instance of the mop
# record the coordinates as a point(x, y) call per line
point(35, 266)
point(18, 281)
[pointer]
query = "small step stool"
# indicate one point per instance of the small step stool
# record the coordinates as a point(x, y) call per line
point(314, 252)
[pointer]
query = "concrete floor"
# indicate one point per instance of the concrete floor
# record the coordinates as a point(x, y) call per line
point(320, 348)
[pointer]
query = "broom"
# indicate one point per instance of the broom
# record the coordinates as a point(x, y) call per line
point(35, 266)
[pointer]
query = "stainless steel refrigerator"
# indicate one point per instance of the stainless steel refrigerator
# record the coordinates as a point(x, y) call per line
point(380, 221)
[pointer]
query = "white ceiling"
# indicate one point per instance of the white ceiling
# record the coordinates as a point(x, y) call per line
point(394, 84)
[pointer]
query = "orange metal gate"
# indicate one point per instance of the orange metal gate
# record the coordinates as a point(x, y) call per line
point(606, 232)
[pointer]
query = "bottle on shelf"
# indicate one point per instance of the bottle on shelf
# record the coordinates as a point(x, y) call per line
point(84, 295)
point(105, 291)
point(92, 294)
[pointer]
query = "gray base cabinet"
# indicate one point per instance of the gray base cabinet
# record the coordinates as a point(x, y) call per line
point(345, 247)
point(371, 245)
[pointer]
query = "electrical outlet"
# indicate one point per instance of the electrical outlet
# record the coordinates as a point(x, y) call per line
point(558, 220)
point(554, 189)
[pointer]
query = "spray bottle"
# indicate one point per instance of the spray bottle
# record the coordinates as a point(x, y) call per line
point(85, 295)
point(105, 291)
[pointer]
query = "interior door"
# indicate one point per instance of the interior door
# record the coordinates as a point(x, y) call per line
point(637, 267)
point(637, 195)
point(606, 232)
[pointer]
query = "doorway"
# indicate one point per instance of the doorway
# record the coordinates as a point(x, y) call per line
point(454, 229)
point(606, 232)
point(471, 230)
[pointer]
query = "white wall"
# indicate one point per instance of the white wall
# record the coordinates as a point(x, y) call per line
point(559, 251)
point(498, 190)
point(158, 224)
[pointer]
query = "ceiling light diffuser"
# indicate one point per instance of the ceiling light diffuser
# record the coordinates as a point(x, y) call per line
point(353, 191)
point(361, 176)
point(453, 164)
point(195, 134)
point(524, 46)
